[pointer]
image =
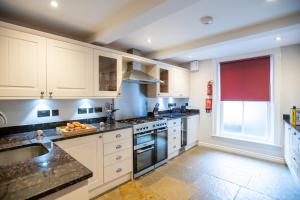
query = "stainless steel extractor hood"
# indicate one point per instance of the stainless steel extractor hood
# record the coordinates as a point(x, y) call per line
point(135, 74)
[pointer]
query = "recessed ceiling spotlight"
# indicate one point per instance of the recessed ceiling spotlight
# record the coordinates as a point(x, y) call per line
point(270, 0)
point(278, 38)
point(54, 4)
point(189, 56)
point(149, 40)
point(207, 20)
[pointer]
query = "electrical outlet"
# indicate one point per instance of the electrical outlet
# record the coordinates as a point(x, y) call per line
point(91, 110)
point(55, 112)
point(43, 113)
point(171, 105)
point(82, 110)
point(98, 109)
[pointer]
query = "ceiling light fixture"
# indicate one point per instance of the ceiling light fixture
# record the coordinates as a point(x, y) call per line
point(54, 4)
point(206, 20)
point(278, 38)
point(189, 56)
point(149, 40)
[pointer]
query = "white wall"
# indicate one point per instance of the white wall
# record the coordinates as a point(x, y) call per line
point(290, 63)
point(289, 85)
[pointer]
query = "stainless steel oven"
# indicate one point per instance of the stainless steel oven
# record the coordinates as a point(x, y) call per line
point(150, 146)
point(144, 153)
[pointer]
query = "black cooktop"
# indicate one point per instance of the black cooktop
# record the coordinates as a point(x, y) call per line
point(140, 120)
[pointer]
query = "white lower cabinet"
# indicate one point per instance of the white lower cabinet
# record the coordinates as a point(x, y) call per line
point(107, 155)
point(292, 151)
point(89, 152)
point(192, 130)
point(174, 137)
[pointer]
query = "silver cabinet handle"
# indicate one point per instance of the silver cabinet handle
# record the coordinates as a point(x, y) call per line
point(174, 138)
point(100, 136)
point(118, 146)
point(174, 130)
point(174, 146)
point(118, 135)
point(50, 94)
point(42, 94)
point(119, 170)
point(118, 157)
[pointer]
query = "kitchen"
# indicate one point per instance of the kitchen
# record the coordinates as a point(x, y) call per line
point(97, 103)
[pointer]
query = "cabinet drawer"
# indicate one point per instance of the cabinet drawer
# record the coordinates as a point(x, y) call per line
point(174, 122)
point(117, 135)
point(114, 147)
point(119, 169)
point(174, 138)
point(174, 130)
point(117, 157)
point(174, 145)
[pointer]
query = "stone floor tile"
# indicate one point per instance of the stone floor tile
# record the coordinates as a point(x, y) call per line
point(173, 189)
point(246, 194)
point(215, 186)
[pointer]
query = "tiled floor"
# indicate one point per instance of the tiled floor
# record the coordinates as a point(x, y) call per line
point(202, 174)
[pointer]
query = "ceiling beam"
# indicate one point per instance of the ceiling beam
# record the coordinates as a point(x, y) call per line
point(247, 31)
point(135, 16)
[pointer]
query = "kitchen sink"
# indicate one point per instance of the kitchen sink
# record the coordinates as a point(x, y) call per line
point(20, 154)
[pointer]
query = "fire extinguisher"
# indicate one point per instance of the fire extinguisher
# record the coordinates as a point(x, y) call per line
point(208, 100)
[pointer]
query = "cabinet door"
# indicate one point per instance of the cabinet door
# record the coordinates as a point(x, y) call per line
point(89, 152)
point(22, 64)
point(164, 75)
point(185, 83)
point(287, 133)
point(69, 69)
point(192, 129)
point(107, 74)
point(180, 83)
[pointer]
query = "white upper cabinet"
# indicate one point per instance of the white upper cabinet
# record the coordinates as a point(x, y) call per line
point(69, 70)
point(22, 64)
point(107, 74)
point(179, 83)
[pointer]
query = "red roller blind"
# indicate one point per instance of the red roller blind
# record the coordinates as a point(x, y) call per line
point(245, 80)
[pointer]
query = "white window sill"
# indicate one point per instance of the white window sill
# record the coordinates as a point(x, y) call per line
point(246, 140)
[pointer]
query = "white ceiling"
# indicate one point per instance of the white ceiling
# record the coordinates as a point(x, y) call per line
point(250, 44)
point(81, 17)
point(184, 26)
point(173, 25)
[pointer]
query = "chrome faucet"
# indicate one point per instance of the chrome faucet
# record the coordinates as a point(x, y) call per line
point(3, 119)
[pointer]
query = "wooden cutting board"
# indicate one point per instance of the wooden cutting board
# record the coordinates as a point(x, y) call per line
point(62, 130)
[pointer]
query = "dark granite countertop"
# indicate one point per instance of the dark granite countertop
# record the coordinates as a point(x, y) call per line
point(54, 171)
point(46, 174)
point(286, 118)
point(171, 116)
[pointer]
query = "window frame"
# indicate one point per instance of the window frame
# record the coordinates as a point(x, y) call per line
point(270, 139)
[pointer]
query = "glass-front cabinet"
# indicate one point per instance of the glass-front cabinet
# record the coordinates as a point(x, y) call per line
point(164, 87)
point(107, 74)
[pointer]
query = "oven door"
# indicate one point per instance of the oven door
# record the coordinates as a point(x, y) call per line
point(143, 138)
point(144, 159)
point(161, 145)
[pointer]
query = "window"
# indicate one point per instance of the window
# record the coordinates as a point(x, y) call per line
point(245, 99)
